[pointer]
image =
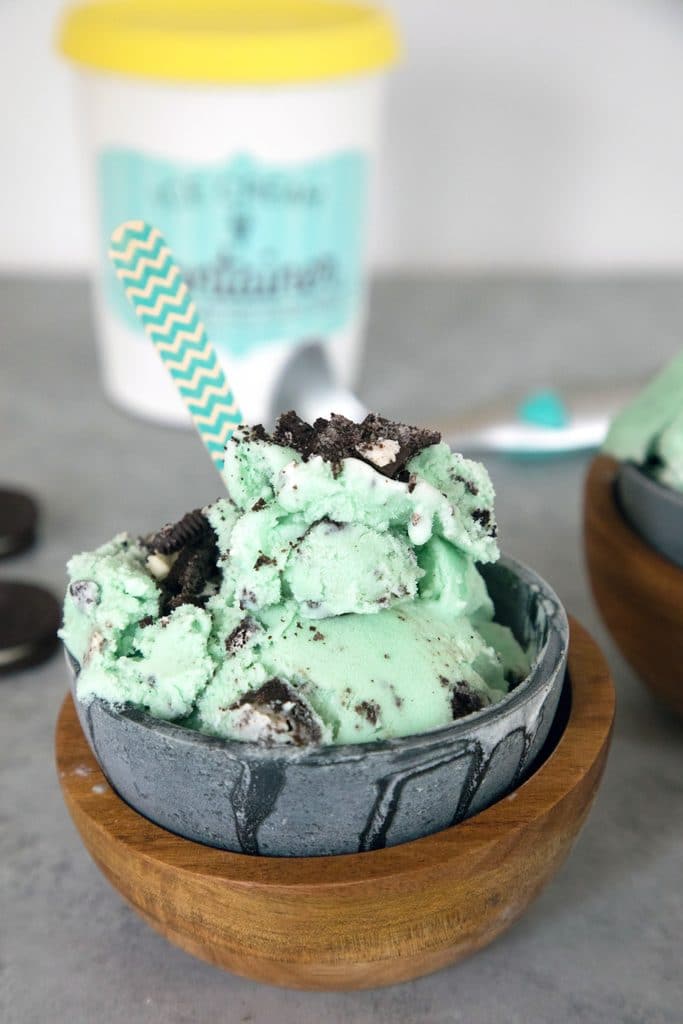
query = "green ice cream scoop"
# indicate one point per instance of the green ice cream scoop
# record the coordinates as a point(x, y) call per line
point(332, 597)
point(649, 431)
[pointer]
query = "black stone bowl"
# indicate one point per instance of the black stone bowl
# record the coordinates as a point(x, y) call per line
point(654, 511)
point(293, 801)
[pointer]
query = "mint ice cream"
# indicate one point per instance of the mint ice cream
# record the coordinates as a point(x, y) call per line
point(649, 431)
point(331, 597)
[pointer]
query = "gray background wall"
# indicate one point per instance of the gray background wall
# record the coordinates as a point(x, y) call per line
point(526, 134)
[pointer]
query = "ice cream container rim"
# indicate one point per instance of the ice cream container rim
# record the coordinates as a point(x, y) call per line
point(230, 42)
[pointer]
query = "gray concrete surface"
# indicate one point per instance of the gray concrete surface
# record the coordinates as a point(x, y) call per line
point(602, 943)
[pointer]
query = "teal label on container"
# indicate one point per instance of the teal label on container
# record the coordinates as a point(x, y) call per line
point(269, 252)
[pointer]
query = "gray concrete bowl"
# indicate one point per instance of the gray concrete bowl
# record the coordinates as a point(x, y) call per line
point(292, 801)
point(655, 512)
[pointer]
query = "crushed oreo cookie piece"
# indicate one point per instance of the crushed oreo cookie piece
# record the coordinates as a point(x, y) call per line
point(369, 709)
point(241, 635)
point(245, 432)
point(470, 487)
point(514, 679)
point(465, 700)
point(192, 574)
point(174, 536)
point(247, 599)
point(287, 718)
point(85, 594)
point(383, 444)
point(331, 525)
point(481, 516)
point(293, 432)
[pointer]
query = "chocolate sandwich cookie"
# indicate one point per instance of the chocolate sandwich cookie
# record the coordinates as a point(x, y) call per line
point(18, 522)
point(29, 620)
point(188, 572)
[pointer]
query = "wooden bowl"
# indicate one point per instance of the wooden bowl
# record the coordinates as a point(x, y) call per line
point(638, 591)
point(359, 920)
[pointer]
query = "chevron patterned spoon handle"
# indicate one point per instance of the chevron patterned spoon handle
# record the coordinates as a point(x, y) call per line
point(155, 286)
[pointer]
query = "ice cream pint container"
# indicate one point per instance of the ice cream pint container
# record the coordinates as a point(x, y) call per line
point(246, 131)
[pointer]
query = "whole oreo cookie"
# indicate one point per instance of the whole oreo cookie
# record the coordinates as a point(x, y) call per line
point(29, 620)
point(18, 522)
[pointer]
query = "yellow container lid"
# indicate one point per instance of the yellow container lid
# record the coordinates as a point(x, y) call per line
point(230, 41)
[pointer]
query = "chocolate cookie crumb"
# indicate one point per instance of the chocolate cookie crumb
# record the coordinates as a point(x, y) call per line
point(515, 679)
point(465, 700)
point(369, 709)
point(384, 444)
point(247, 598)
point(293, 432)
point(241, 635)
point(245, 432)
point(469, 486)
point(85, 594)
point(481, 516)
point(291, 715)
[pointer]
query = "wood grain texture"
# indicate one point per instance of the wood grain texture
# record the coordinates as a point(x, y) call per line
point(362, 920)
point(638, 591)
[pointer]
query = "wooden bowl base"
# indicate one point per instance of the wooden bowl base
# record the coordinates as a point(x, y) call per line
point(362, 920)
